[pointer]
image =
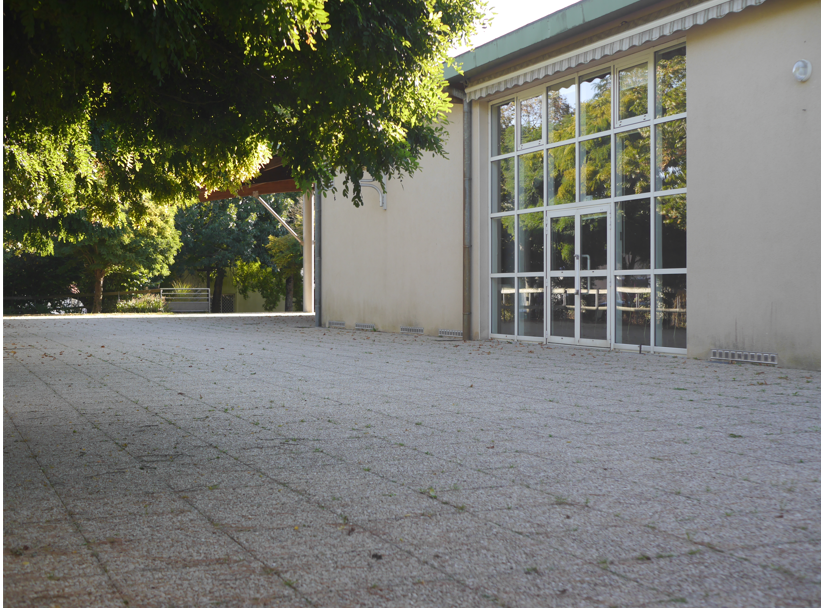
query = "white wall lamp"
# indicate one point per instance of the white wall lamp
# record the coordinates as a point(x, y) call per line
point(802, 70)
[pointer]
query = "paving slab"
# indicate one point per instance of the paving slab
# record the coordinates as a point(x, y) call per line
point(256, 460)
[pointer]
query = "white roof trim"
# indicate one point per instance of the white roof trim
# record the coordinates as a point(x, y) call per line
point(679, 22)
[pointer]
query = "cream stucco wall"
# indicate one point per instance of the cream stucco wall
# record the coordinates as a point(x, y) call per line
point(754, 184)
point(403, 265)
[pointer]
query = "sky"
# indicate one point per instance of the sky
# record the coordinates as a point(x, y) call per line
point(511, 15)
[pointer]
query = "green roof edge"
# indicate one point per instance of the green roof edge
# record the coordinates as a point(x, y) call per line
point(555, 27)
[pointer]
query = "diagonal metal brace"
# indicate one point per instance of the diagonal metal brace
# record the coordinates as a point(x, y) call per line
point(274, 213)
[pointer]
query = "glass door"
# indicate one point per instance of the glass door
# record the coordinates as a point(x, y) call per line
point(578, 275)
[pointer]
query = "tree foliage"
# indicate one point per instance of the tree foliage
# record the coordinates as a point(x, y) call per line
point(138, 251)
point(219, 236)
point(164, 98)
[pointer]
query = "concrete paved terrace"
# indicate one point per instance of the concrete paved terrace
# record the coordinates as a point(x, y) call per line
point(259, 461)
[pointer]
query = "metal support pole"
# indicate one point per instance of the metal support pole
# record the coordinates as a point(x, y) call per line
point(308, 251)
point(318, 257)
point(467, 128)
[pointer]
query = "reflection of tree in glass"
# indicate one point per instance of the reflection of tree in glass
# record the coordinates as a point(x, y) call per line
point(562, 178)
point(505, 126)
point(563, 242)
point(531, 241)
point(531, 129)
point(561, 113)
point(673, 210)
point(633, 234)
point(671, 82)
point(633, 157)
point(633, 92)
point(531, 178)
point(595, 171)
point(671, 154)
point(596, 110)
point(505, 232)
point(503, 199)
point(672, 252)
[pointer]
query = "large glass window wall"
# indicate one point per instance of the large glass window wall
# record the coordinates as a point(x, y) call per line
point(613, 135)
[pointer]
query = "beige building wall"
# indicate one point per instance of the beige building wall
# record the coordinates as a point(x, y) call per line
point(403, 265)
point(754, 184)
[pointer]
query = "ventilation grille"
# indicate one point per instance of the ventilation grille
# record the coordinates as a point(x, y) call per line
point(366, 326)
point(450, 333)
point(337, 324)
point(740, 356)
point(411, 330)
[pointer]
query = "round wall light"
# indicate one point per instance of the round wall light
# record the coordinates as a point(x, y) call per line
point(802, 70)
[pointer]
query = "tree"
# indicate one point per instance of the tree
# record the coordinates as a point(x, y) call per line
point(286, 253)
point(167, 97)
point(139, 250)
point(232, 235)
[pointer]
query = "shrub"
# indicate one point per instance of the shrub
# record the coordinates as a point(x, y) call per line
point(149, 302)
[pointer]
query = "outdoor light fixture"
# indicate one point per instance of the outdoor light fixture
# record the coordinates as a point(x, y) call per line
point(802, 70)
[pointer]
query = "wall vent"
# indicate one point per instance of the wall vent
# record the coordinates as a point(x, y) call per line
point(405, 329)
point(366, 326)
point(337, 324)
point(450, 333)
point(741, 356)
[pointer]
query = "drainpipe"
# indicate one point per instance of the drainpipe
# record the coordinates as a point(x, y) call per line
point(318, 257)
point(467, 128)
point(308, 251)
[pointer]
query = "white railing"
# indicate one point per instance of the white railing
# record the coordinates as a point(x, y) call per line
point(187, 299)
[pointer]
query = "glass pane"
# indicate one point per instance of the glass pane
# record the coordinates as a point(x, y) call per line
point(671, 82)
point(633, 235)
point(594, 241)
point(503, 311)
point(633, 91)
point(595, 173)
point(501, 186)
point(531, 180)
point(671, 232)
point(503, 127)
point(531, 307)
point(503, 250)
point(561, 179)
point(633, 309)
point(563, 243)
point(531, 242)
point(563, 307)
point(671, 155)
point(671, 310)
point(595, 103)
point(593, 294)
point(531, 119)
point(561, 111)
point(633, 162)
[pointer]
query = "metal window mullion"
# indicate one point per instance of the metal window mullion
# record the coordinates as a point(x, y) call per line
point(502, 156)
point(632, 197)
point(577, 265)
point(662, 119)
point(652, 103)
point(611, 265)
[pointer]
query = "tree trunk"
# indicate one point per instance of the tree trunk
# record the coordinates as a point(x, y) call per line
point(289, 294)
point(99, 275)
point(216, 300)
